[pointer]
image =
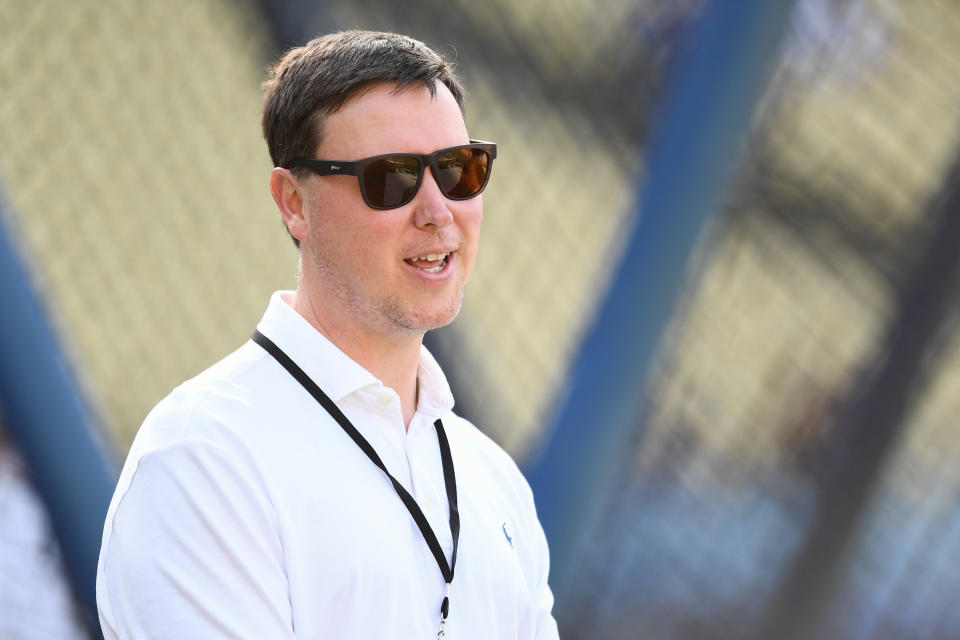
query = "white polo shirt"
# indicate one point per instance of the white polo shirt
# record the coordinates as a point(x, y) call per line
point(244, 511)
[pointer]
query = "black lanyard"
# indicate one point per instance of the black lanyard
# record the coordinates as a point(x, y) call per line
point(446, 460)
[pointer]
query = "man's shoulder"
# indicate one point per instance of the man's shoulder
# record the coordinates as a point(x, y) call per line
point(206, 400)
point(209, 385)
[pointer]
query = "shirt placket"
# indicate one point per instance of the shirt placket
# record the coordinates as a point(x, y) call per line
point(423, 461)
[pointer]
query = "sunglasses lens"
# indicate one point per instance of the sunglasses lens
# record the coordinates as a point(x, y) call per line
point(390, 182)
point(462, 173)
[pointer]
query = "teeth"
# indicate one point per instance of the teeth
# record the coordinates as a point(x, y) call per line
point(430, 257)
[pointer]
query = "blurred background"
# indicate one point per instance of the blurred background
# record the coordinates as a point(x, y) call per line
point(770, 448)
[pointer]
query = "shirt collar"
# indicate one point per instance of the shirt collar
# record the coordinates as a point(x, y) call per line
point(434, 396)
point(333, 370)
point(327, 365)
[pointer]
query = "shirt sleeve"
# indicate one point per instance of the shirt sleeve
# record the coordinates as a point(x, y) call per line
point(194, 552)
point(543, 596)
point(536, 559)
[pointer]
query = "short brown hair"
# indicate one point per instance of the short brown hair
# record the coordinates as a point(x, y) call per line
point(310, 82)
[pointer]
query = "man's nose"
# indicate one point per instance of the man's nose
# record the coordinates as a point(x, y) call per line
point(431, 207)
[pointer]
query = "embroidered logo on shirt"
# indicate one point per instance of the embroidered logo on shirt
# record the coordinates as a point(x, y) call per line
point(507, 535)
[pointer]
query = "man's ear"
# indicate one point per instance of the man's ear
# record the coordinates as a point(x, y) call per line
point(286, 191)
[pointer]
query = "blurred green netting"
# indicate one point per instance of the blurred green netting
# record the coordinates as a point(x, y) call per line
point(137, 179)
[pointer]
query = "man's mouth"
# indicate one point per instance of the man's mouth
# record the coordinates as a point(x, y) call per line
point(431, 263)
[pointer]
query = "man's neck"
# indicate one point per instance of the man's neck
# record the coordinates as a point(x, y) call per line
point(393, 359)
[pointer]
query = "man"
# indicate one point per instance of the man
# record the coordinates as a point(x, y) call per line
point(315, 483)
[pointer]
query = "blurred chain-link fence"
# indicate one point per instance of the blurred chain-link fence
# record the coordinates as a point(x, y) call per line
point(131, 155)
point(136, 174)
point(756, 420)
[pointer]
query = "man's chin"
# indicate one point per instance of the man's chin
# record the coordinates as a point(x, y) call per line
point(423, 321)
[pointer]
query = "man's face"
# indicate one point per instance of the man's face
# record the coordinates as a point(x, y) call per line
point(364, 262)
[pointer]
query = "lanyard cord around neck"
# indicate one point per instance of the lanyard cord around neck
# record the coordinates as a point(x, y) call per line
point(446, 460)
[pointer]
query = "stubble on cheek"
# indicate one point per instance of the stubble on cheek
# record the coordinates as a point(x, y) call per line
point(374, 304)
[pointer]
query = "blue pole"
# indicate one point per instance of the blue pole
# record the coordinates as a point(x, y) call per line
point(46, 417)
point(706, 113)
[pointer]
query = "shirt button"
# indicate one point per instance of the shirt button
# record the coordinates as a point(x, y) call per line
point(384, 399)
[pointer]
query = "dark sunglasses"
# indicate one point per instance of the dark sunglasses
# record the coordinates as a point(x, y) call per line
point(393, 179)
